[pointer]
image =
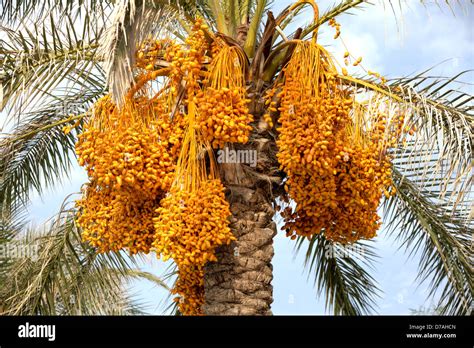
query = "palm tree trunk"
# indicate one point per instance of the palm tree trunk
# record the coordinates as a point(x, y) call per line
point(240, 282)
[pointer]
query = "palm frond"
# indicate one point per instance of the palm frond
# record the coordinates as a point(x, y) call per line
point(433, 178)
point(445, 116)
point(37, 58)
point(132, 22)
point(340, 272)
point(37, 153)
point(14, 11)
point(426, 311)
point(173, 306)
point(424, 223)
point(254, 28)
point(11, 225)
point(67, 276)
point(217, 11)
point(134, 273)
point(445, 121)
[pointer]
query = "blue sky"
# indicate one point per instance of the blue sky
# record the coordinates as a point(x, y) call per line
point(419, 39)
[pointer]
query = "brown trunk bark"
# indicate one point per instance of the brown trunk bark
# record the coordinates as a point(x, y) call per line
point(240, 282)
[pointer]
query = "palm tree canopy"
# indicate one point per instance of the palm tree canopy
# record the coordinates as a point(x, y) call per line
point(63, 56)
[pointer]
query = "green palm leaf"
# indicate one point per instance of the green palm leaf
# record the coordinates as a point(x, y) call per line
point(134, 21)
point(13, 11)
point(36, 59)
point(431, 212)
point(426, 224)
point(67, 276)
point(341, 274)
point(37, 153)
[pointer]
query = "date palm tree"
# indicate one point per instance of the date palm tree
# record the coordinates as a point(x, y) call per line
point(55, 68)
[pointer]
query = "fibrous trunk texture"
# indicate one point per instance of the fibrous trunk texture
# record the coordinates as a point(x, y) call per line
point(240, 282)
